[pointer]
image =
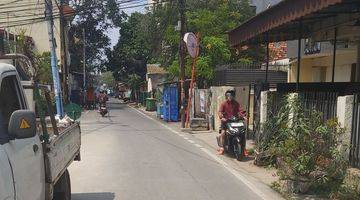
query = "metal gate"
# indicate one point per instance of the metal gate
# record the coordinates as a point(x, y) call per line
point(354, 155)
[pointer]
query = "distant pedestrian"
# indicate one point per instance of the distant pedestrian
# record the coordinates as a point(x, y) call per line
point(90, 98)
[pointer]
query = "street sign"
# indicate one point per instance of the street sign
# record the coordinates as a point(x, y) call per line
point(191, 44)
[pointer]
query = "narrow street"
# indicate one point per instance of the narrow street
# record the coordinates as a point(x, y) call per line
point(128, 156)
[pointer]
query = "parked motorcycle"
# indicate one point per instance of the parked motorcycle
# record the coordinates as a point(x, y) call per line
point(235, 137)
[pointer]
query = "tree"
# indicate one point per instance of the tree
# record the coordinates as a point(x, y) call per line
point(212, 19)
point(152, 37)
point(132, 51)
point(134, 81)
point(95, 18)
point(142, 41)
point(108, 79)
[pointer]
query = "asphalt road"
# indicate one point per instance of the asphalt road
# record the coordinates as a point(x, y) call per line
point(129, 156)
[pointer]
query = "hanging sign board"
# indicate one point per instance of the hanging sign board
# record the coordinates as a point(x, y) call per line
point(191, 44)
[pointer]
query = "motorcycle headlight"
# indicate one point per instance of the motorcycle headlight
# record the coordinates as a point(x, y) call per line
point(233, 130)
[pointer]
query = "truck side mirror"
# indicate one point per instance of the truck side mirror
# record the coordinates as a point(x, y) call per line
point(22, 124)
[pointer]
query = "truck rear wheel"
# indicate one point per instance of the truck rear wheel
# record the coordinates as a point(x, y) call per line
point(62, 189)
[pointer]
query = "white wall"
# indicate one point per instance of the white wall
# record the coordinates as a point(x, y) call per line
point(37, 31)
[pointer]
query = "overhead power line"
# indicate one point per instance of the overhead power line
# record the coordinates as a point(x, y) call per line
point(14, 1)
point(36, 18)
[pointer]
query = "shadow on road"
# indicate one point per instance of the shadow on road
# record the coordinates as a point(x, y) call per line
point(116, 106)
point(93, 196)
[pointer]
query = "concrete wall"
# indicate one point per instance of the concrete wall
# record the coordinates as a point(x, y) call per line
point(39, 34)
point(199, 109)
point(344, 114)
point(310, 66)
point(218, 96)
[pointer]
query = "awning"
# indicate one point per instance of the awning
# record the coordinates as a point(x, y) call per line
point(68, 11)
point(282, 21)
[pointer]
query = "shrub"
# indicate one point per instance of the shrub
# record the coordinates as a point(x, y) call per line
point(305, 147)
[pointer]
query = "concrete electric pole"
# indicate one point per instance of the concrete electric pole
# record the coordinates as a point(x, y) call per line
point(54, 69)
point(63, 49)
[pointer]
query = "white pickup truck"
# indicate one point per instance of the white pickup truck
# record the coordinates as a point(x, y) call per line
point(31, 168)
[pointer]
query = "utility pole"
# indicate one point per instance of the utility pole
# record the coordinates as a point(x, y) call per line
point(182, 59)
point(54, 69)
point(64, 63)
point(84, 65)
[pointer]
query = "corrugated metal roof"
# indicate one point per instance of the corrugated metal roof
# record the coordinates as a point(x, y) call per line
point(238, 77)
point(282, 13)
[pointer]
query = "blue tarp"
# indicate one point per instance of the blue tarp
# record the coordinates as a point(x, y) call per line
point(170, 103)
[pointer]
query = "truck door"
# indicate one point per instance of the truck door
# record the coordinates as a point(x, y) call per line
point(6, 178)
point(25, 155)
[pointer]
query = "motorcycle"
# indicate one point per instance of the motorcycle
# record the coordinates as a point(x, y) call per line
point(103, 109)
point(235, 140)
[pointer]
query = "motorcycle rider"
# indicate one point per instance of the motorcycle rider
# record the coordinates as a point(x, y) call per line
point(229, 108)
point(102, 97)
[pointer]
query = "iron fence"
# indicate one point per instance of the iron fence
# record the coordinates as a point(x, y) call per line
point(324, 102)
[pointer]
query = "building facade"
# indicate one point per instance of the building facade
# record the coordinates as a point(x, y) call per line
point(27, 18)
point(317, 61)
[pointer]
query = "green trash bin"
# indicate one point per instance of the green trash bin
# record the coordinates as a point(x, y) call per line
point(150, 104)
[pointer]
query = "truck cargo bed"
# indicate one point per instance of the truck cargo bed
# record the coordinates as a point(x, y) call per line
point(61, 150)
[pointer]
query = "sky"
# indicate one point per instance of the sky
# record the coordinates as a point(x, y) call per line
point(114, 32)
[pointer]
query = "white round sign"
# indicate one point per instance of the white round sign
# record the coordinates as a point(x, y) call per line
point(191, 44)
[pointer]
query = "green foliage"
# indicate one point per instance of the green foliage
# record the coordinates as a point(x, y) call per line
point(245, 61)
point(25, 45)
point(204, 68)
point(134, 81)
point(152, 37)
point(133, 49)
point(216, 49)
point(217, 18)
point(42, 63)
point(306, 148)
point(108, 79)
point(174, 69)
point(95, 17)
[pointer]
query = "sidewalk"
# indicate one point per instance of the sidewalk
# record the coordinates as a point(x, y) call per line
point(207, 139)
